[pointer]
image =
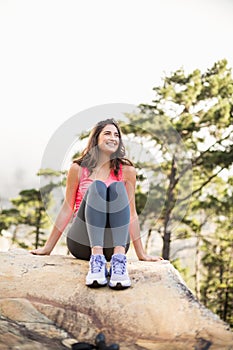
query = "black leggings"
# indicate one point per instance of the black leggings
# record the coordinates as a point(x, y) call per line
point(102, 220)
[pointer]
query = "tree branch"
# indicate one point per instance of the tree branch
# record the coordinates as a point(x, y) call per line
point(201, 187)
point(199, 157)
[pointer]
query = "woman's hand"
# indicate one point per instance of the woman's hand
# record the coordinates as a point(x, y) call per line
point(40, 251)
point(146, 257)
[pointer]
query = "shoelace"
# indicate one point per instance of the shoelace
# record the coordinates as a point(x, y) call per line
point(96, 264)
point(119, 265)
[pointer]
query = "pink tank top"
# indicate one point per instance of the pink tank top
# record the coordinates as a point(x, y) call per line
point(85, 182)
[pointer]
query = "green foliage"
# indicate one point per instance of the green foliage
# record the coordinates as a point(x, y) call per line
point(184, 271)
point(140, 199)
point(49, 173)
point(8, 217)
point(210, 220)
point(217, 281)
point(217, 249)
point(31, 212)
point(50, 176)
point(189, 121)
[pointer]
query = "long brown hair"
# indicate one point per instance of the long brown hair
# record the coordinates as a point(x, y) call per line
point(90, 155)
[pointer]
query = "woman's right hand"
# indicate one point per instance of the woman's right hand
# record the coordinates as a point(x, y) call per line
point(40, 251)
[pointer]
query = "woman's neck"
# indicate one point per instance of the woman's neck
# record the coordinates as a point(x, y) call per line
point(102, 169)
point(103, 161)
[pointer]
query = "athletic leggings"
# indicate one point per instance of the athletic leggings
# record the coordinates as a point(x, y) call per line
point(102, 220)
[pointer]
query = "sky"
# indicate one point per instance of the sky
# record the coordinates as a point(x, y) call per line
point(60, 59)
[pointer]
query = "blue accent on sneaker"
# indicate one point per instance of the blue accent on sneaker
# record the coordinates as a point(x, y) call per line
point(119, 276)
point(98, 272)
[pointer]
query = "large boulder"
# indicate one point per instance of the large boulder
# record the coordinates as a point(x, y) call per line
point(45, 305)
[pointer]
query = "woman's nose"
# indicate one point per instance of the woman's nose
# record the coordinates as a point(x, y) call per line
point(113, 137)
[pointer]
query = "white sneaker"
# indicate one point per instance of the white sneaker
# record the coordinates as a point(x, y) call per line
point(119, 276)
point(97, 273)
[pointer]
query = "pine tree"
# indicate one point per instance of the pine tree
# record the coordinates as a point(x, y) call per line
point(217, 250)
point(189, 123)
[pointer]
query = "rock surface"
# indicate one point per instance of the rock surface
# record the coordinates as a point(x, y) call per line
point(45, 304)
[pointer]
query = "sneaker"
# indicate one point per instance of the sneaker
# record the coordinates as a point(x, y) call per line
point(119, 278)
point(97, 273)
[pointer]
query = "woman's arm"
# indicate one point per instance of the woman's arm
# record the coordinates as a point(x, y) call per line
point(65, 212)
point(129, 176)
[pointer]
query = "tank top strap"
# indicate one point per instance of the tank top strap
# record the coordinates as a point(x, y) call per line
point(120, 173)
point(84, 173)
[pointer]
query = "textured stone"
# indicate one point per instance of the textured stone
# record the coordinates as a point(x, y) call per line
point(45, 304)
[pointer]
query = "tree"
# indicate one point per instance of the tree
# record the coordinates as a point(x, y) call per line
point(31, 208)
point(8, 218)
point(32, 213)
point(190, 123)
point(217, 252)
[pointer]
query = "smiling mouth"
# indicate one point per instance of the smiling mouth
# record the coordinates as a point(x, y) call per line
point(112, 144)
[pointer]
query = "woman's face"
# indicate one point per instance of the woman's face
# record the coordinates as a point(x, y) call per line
point(109, 139)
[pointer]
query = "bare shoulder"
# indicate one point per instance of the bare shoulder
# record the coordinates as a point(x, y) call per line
point(74, 173)
point(129, 172)
point(75, 167)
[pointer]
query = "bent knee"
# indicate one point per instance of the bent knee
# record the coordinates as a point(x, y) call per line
point(117, 189)
point(99, 188)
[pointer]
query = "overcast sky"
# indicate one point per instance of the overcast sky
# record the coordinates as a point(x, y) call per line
point(61, 57)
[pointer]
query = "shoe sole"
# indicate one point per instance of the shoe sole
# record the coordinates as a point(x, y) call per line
point(118, 286)
point(96, 284)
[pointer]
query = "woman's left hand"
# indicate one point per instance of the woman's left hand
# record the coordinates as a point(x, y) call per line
point(146, 257)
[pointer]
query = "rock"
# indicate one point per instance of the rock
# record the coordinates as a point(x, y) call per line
point(45, 305)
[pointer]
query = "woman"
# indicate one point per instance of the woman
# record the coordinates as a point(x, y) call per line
point(100, 193)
